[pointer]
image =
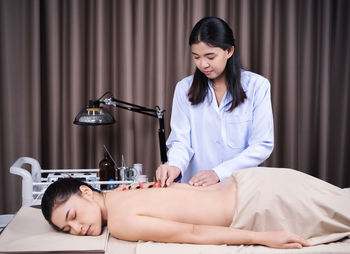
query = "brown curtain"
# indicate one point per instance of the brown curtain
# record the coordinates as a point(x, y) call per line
point(55, 55)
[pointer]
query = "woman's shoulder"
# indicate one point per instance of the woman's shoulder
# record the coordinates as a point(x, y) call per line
point(185, 83)
point(183, 86)
point(248, 77)
point(253, 81)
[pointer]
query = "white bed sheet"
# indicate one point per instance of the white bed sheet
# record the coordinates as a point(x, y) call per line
point(340, 247)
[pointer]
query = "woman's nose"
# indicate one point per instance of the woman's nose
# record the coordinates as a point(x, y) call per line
point(204, 64)
point(76, 228)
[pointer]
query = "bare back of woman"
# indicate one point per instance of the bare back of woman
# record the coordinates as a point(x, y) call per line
point(179, 203)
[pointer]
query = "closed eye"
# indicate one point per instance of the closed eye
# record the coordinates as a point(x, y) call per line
point(74, 217)
point(210, 56)
point(66, 230)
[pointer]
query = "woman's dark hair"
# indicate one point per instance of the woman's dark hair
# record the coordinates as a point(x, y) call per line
point(58, 193)
point(216, 33)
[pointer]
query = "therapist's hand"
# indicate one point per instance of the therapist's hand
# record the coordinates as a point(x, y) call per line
point(204, 178)
point(167, 174)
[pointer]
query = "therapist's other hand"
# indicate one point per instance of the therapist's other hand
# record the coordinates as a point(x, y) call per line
point(167, 174)
point(204, 178)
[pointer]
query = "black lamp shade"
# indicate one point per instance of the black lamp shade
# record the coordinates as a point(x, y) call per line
point(94, 116)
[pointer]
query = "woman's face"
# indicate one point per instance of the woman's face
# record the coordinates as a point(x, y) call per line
point(210, 60)
point(79, 215)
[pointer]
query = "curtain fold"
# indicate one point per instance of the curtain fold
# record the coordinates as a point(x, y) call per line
point(55, 55)
point(20, 93)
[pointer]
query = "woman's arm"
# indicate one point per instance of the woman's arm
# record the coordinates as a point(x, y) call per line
point(134, 228)
point(180, 151)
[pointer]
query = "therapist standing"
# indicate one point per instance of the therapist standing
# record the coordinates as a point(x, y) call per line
point(221, 116)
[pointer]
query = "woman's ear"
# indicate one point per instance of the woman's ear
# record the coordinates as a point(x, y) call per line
point(85, 191)
point(230, 51)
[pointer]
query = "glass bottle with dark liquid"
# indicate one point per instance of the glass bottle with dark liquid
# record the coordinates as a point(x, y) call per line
point(107, 171)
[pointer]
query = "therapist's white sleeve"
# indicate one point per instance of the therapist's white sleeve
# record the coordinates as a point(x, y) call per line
point(179, 142)
point(261, 140)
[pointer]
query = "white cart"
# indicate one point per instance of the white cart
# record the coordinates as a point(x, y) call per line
point(35, 183)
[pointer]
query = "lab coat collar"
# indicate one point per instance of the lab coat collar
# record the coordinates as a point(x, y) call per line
point(226, 100)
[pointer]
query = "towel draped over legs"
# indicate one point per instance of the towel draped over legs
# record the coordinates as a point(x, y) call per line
point(275, 199)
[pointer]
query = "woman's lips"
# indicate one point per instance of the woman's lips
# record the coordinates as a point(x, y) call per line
point(207, 72)
point(88, 231)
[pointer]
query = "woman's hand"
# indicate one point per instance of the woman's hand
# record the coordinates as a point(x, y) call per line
point(204, 178)
point(281, 240)
point(167, 174)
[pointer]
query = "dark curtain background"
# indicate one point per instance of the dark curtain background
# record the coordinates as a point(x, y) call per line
point(55, 55)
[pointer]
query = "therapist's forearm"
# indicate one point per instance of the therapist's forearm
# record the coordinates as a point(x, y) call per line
point(252, 156)
point(179, 156)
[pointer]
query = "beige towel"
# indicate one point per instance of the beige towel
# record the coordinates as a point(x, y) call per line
point(273, 199)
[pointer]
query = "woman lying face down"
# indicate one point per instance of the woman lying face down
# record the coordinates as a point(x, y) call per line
point(178, 214)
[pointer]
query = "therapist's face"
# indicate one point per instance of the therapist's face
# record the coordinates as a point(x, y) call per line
point(79, 215)
point(210, 60)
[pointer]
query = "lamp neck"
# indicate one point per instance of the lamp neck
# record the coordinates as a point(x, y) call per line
point(157, 113)
point(94, 103)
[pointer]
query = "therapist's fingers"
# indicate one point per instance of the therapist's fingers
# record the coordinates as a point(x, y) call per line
point(204, 178)
point(210, 181)
point(167, 174)
point(197, 178)
point(206, 182)
point(162, 174)
point(170, 179)
point(173, 173)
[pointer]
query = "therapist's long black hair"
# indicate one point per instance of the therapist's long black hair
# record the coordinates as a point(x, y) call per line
point(217, 33)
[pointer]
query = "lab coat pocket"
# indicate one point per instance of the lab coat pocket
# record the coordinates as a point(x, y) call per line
point(237, 130)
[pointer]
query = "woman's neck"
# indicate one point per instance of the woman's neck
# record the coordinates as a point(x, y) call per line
point(220, 82)
point(219, 85)
point(100, 199)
